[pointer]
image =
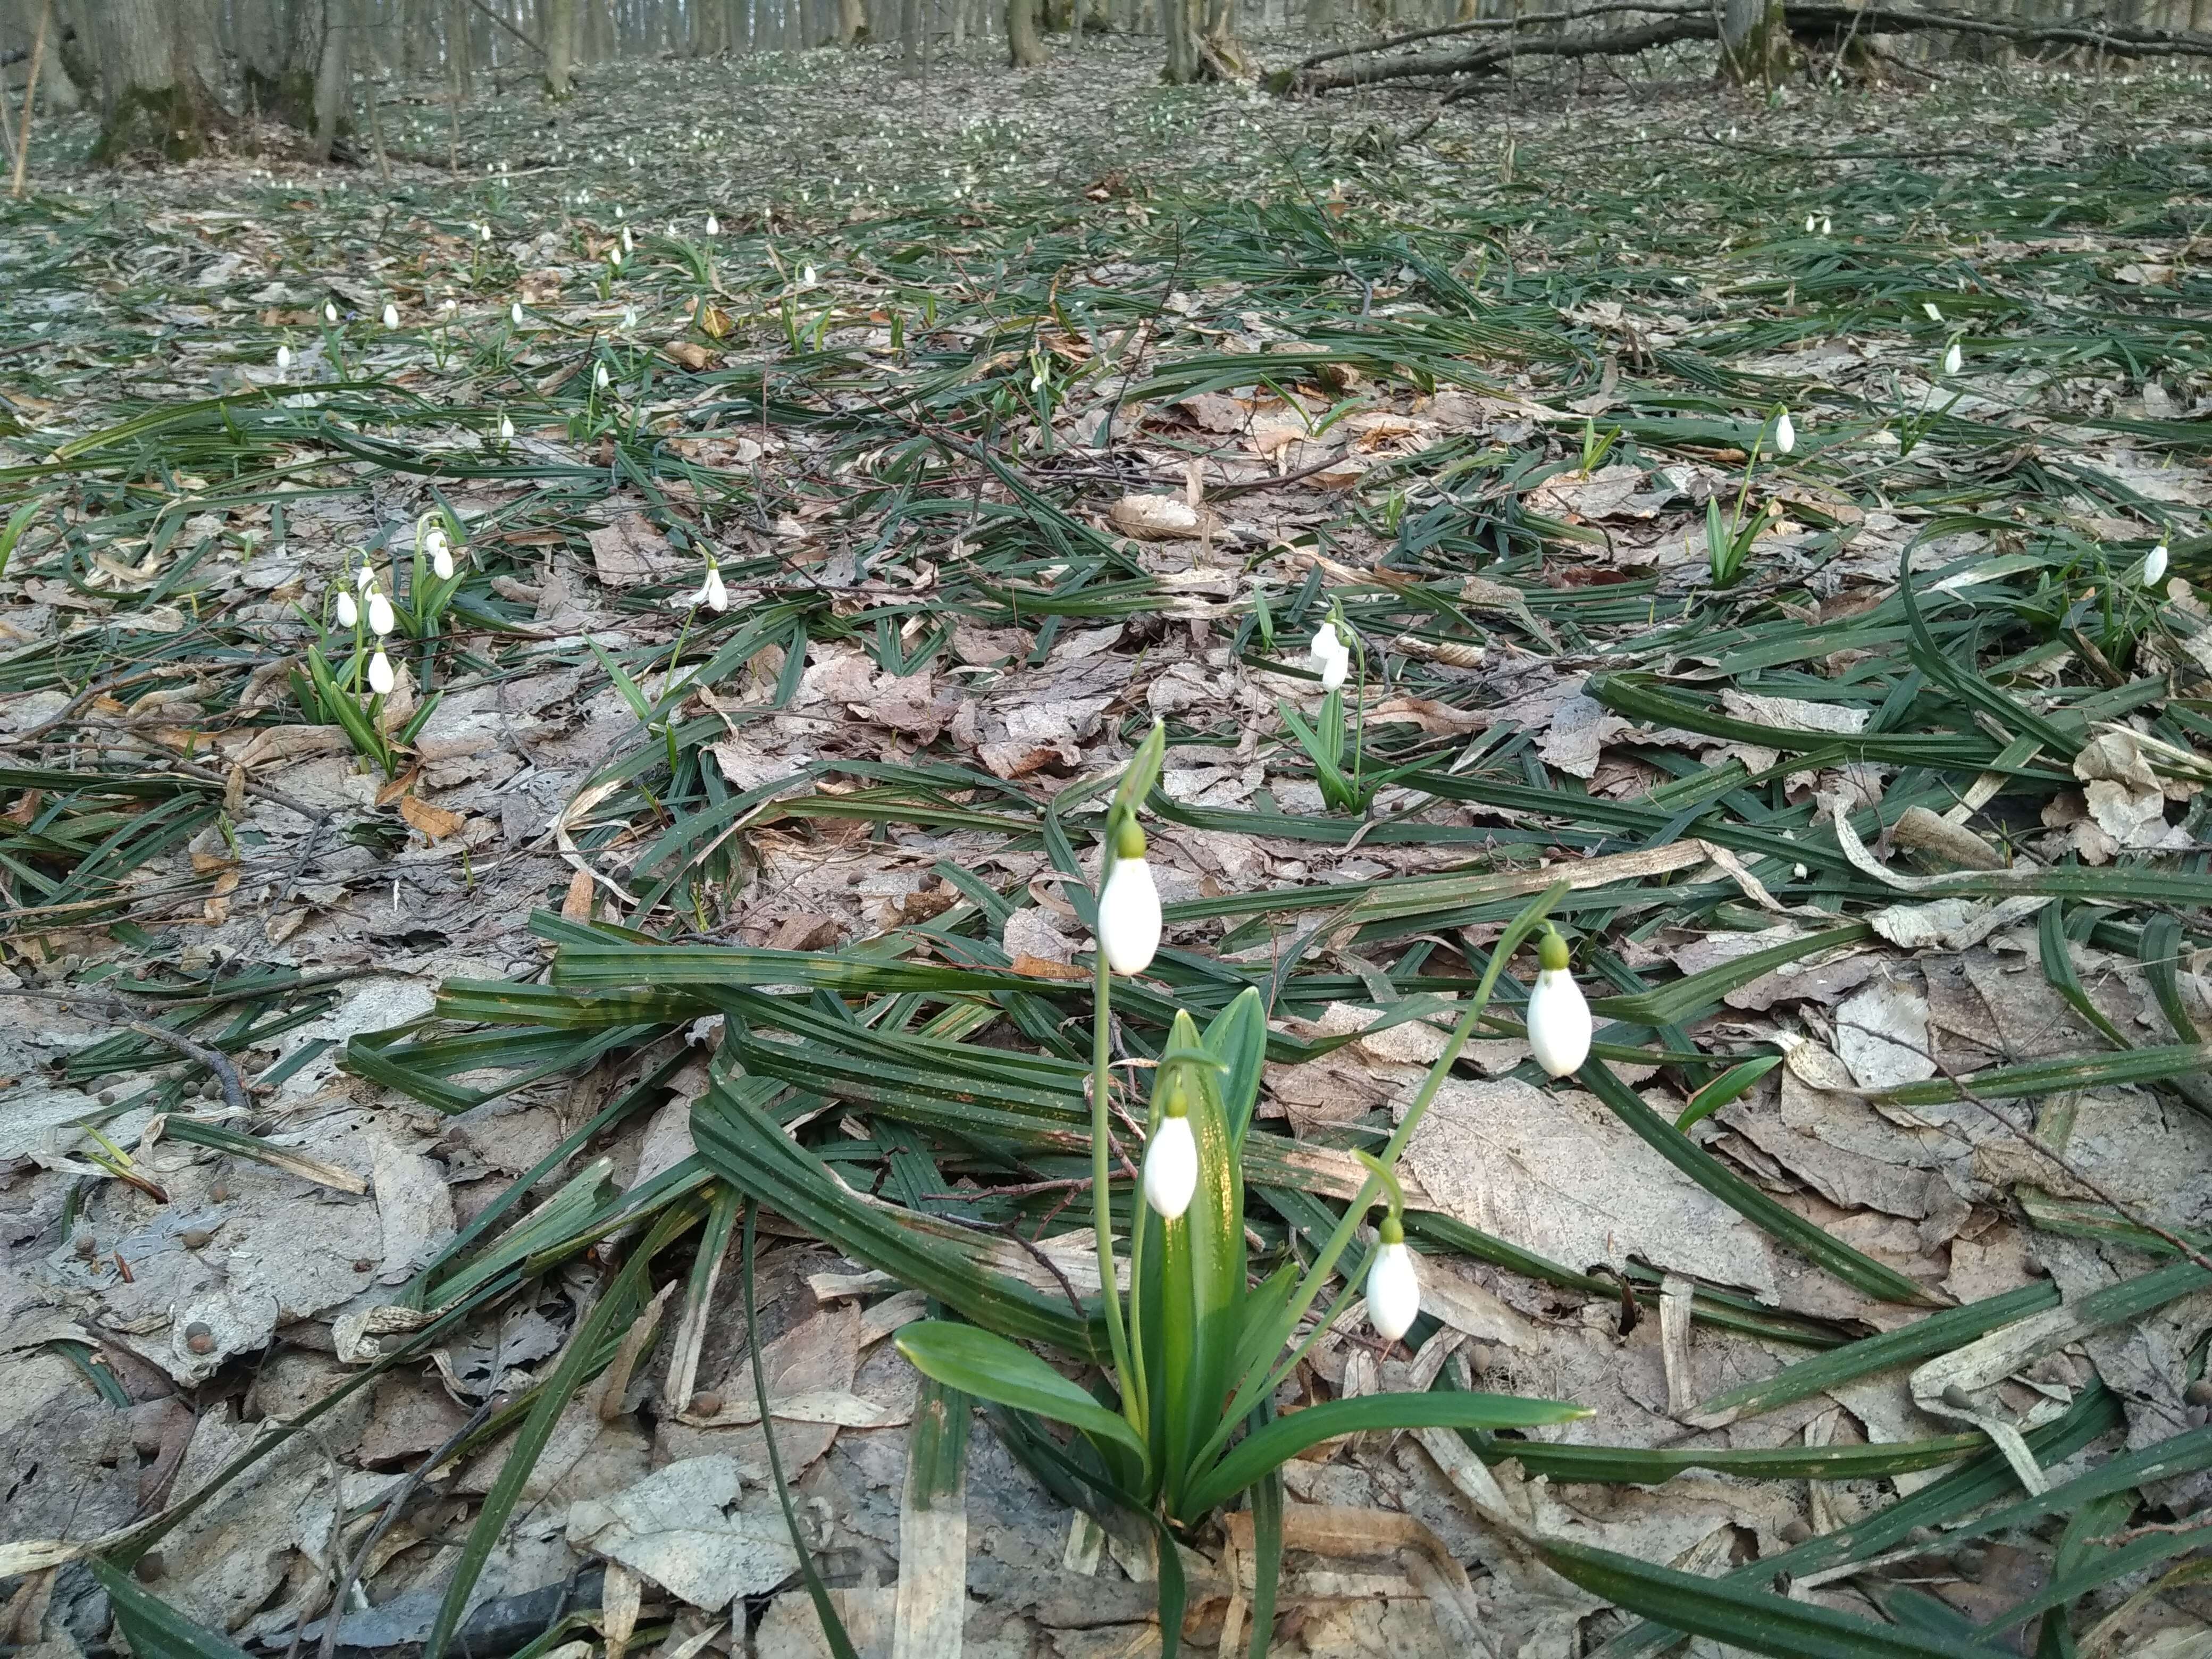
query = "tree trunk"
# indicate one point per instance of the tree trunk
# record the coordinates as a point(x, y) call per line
point(1754, 41)
point(158, 69)
point(333, 80)
point(560, 43)
point(852, 22)
point(280, 43)
point(910, 26)
point(1184, 20)
point(1024, 49)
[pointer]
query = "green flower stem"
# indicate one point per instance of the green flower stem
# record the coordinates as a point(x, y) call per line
point(1131, 1379)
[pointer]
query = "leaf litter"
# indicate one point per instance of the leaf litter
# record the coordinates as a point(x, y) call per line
point(1007, 436)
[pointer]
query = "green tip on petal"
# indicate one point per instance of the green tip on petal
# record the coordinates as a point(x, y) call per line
point(1392, 1231)
point(1129, 840)
point(1552, 952)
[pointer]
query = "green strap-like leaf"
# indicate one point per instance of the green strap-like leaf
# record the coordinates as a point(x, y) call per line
point(1286, 1438)
point(979, 1362)
point(153, 1628)
point(1731, 1612)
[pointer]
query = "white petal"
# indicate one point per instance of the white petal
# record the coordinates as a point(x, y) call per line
point(348, 613)
point(1952, 359)
point(505, 427)
point(2155, 565)
point(716, 596)
point(379, 615)
point(380, 677)
point(1785, 434)
point(514, 314)
point(330, 311)
point(1333, 671)
point(284, 358)
point(1171, 1169)
point(364, 578)
point(391, 316)
point(1394, 1292)
point(1326, 643)
point(1130, 917)
point(442, 562)
point(1558, 1023)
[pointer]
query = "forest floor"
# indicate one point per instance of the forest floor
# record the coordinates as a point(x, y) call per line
point(353, 1044)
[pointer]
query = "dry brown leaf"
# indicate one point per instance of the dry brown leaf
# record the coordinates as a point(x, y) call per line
point(576, 904)
point(436, 822)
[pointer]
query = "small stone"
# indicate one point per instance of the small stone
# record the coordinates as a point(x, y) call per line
point(1958, 1399)
point(219, 1192)
point(2199, 1393)
point(194, 1238)
point(85, 1245)
point(362, 1264)
point(1479, 1358)
point(151, 1567)
point(706, 1403)
point(1793, 1531)
point(198, 1338)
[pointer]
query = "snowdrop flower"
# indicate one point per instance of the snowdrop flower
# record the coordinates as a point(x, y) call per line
point(629, 317)
point(284, 359)
point(506, 426)
point(2155, 565)
point(1559, 1019)
point(614, 258)
point(483, 233)
point(451, 306)
point(806, 277)
point(600, 376)
point(629, 246)
point(1335, 670)
point(711, 592)
point(364, 578)
point(713, 226)
point(1171, 1167)
point(380, 619)
point(1785, 434)
point(514, 312)
point(391, 314)
point(1808, 224)
point(1129, 906)
point(1394, 1287)
point(1827, 225)
point(441, 551)
point(348, 612)
point(381, 679)
point(1952, 359)
point(330, 311)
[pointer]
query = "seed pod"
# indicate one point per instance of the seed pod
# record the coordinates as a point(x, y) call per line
point(151, 1567)
point(706, 1403)
point(194, 1238)
point(85, 1245)
point(198, 1338)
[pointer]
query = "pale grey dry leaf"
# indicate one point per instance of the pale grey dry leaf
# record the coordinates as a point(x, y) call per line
point(679, 1528)
point(1557, 1174)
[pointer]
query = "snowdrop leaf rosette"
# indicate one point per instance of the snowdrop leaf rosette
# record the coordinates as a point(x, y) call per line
point(1558, 1017)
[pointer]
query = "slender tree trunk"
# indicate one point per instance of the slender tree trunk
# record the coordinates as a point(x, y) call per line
point(852, 22)
point(333, 79)
point(1024, 49)
point(1181, 20)
point(1754, 41)
point(559, 22)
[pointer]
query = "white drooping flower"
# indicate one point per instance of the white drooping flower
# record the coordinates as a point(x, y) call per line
point(713, 226)
point(391, 314)
point(712, 593)
point(1827, 225)
point(441, 551)
point(483, 233)
point(614, 258)
point(348, 612)
point(1808, 224)
point(514, 312)
point(506, 426)
point(1171, 1167)
point(284, 359)
point(1331, 655)
point(1953, 359)
point(1559, 1019)
point(1785, 434)
point(381, 679)
point(364, 578)
point(1394, 1287)
point(380, 619)
point(629, 246)
point(629, 317)
point(600, 376)
point(330, 311)
point(1129, 909)
point(806, 277)
point(2155, 565)
point(449, 305)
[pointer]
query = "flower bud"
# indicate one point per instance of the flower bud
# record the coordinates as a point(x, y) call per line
point(330, 311)
point(1129, 915)
point(1171, 1167)
point(391, 314)
point(441, 551)
point(1953, 359)
point(713, 226)
point(1785, 434)
point(506, 426)
point(348, 612)
point(2155, 565)
point(1394, 1287)
point(1559, 1019)
point(380, 620)
point(514, 312)
point(284, 359)
point(381, 676)
point(600, 376)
